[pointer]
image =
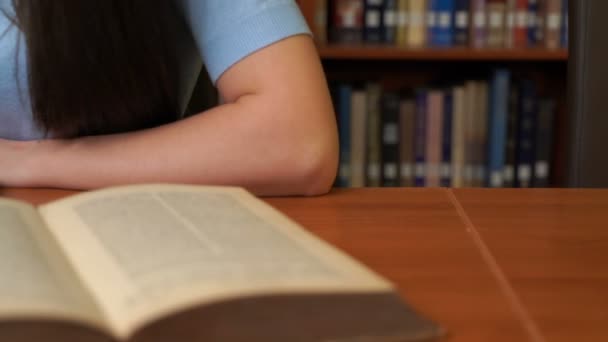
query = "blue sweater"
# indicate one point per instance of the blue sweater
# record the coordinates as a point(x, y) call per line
point(224, 32)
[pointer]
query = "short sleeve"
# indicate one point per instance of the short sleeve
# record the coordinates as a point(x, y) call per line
point(226, 31)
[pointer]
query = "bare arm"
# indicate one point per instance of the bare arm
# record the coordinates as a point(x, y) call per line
point(275, 136)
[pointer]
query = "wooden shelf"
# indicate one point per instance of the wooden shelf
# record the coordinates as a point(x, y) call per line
point(379, 52)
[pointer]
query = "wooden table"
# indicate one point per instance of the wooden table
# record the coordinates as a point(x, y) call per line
point(489, 265)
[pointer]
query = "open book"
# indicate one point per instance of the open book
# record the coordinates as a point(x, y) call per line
point(184, 263)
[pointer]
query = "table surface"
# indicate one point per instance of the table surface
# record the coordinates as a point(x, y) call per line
point(488, 264)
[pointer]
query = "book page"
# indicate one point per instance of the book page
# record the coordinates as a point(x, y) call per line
point(152, 250)
point(36, 282)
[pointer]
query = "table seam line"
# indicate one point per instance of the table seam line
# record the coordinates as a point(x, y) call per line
point(516, 305)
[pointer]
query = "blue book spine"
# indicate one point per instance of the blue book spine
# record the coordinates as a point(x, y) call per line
point(420, 138)
point(564, 28)
point(444, 28)
point(526, 135)
point(344, 93)
point(461, 23)
point(446, 140)
point(431, 21)
point(499, 107)
point(533, 14)
point(373, 31)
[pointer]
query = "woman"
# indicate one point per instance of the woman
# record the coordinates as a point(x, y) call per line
point(108, 81)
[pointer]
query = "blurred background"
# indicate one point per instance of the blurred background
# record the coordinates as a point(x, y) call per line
point(458, 93)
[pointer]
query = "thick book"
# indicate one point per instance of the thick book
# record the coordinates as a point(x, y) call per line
point(434, 124)
point(390, 139)
point(443, 34)
point(343, 102)
point(459, 114)
point(469, 120)
point(432, 7)
point(374, 28)
point(520, 29)
point(512, 134)
point(553, 23)
point(374, 135)
point(407, 123)
point(544, 143)
point(496, 10)
point(564, 26)
point(402, 23)
point(480, 134)
point(499, 107)
point(319, 26)
point(528, 114)
point(416, 33)
point(461, 23)
point(346, 21)
point(479, 24)
point(185, 263)
point(420, 145)
point(533, 22)
point(445, 172)
point(358, 123)
point(510, 14)
point(390, 21)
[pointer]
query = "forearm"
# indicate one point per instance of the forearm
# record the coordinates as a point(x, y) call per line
point(245, 144)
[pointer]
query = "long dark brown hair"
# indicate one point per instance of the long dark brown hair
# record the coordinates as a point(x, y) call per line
point(99, 66)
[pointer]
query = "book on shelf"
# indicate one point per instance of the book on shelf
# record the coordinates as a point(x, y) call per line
point(390, 139)
point(495, 24)
point(493, 131)
point(184, 263)
point(374, 25)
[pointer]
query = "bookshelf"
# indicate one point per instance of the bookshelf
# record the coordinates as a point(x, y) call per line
point(396, 68)
point(379, 52)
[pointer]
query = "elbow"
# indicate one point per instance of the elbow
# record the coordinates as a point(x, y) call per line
point(315, 171)
point(318, 174)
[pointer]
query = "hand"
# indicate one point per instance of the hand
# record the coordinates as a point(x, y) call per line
point(16, 162)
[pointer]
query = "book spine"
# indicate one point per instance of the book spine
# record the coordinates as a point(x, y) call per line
point(431, 21)
point(533, 16)
point(390, 21)
point(420, 138)
point(469, 131)
point(541, 21)
point(525, 140)
point(458, 136)
point(553, 24)
point(374, 149)
point(374, 25)
point(444, 29)
point(358, 124)
point(509, 31)
point(498, 127)
point(520, 31)
point(480, 134)
point(320, 22)
point(478, 24)
point(347, 21)
point(390, 139)
point(446, 139)
point(461, 23)
point(416, 33)
point(406, 142)
point(510, 148)
point(544, 141)
point(433, 137)
point(344, 115)
point(496, 22)
point(564, 28)
point(402, 22)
